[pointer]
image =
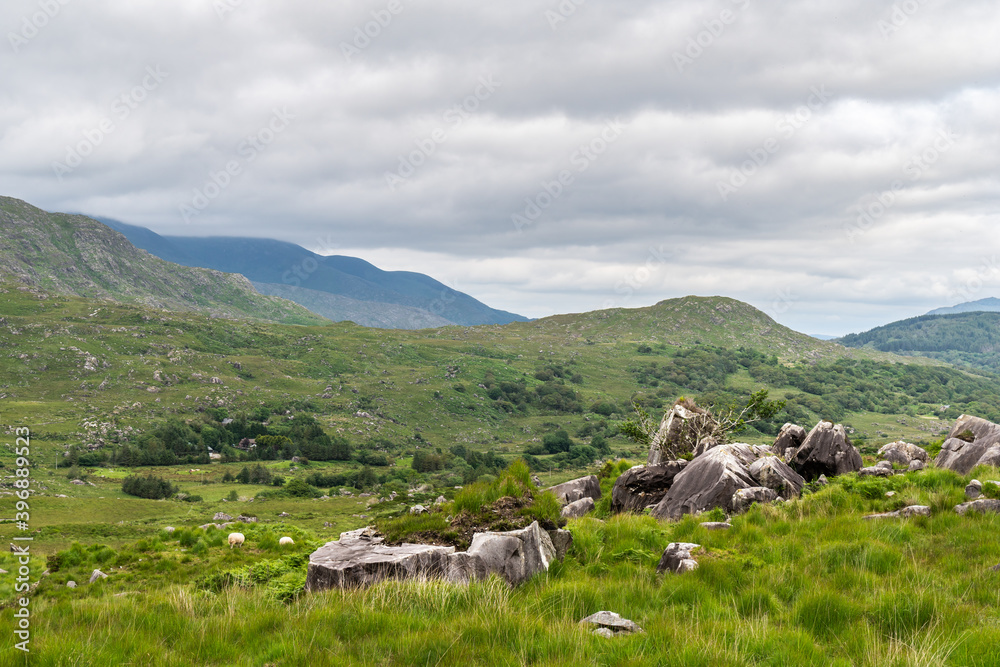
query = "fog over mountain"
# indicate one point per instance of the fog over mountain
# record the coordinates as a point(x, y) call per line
point(833, 164)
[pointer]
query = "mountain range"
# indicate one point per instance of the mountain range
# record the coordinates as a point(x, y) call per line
point(336, 287)
point(75, 255)
point(990, 305)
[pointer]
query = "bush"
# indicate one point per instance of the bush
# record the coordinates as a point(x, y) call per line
point(153, 488)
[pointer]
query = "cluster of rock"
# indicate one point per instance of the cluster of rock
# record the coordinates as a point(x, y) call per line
point(361, 558)
point(732, 476)
point(577, 496)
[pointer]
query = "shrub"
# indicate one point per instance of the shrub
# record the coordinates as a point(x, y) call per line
point(154, 488)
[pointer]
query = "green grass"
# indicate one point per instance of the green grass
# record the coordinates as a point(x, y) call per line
point(806, 583)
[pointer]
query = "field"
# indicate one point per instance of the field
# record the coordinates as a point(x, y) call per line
point(424, 412)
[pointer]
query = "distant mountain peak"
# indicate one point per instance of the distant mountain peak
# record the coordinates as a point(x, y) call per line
point(988, 305)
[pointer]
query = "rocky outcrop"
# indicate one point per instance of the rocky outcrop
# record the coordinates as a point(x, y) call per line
point(361, 558)
point(642, 486)
point(772, 472)
point(710, 481)
point(677, 558)
point(575, 489)
point(875, 471)
point(790, 438)
point(681, 429)
point(562, 540)
point(609, 624)
point(902, 453)
point(825, 451)
point(516, 555)
point(972, 441)
point(905, 513)
point(578, 508)
point(982, 505)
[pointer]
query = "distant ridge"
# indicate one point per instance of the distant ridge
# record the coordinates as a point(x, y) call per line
point(76, 255)
point(368, 295)
point(989, 305)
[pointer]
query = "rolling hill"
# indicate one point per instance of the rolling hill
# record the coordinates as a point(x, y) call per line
point(366, 294)
point(75, 255)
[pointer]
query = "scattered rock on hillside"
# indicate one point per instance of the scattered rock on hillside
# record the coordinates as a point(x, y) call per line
point(973, 489)
point(78, 482)
point(70, 584)
point(577, 508)
point(982, 505)
point(716, 525)
point(677, 558)
point(972, 441)
point(826, 451)
point(906, 512)
point(710, 481)
point(419, 509)
point(902, 453)
point(743, 499)
point(642, 486)
point(915, 466)
point(575, 489)
point(609, 624)
point(97, 574)
point(790, 438)
point(246, 519)
point(169, 529)
point(221, 516)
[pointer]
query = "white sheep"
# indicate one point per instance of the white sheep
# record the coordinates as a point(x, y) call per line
point(236, 540)
point(286, 540)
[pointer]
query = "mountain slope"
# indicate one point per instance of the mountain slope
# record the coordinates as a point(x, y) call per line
point(968, 339)
point(991, 305)
point(280, 263)
point(73, 254)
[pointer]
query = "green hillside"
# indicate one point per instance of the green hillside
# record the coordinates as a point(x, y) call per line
point(964, 339)
point(72, 254)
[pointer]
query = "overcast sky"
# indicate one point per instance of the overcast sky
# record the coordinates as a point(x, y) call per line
point(835, 164)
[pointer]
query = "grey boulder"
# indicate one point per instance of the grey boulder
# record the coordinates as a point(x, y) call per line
point(902, 453)
point(905, 513)
point(710, 481)
point(677, 558)
point(972, 441)
point(577, 508)
point(609, 624)
point(826, 451)
point(973, 489)
point(772, 472)
point(97, 574)
point(915, 466)
point(982, 506)
point(681, 429)
point(875, 471)
point(642, 486)
point(575, 489)
point(360, 559)
point(515, 555)
point(743, 499)
point(790, 438)
point(562, 540)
